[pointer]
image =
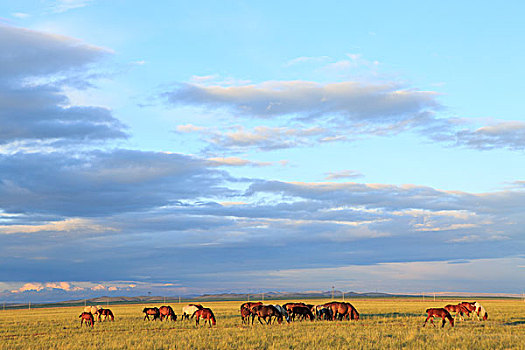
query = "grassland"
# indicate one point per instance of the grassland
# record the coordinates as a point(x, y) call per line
point(384, 323)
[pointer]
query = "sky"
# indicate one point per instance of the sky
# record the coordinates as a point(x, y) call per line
point(181, 148)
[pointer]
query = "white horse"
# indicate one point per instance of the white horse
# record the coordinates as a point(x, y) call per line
point(92, 309)
point(283, 312)
point(481, 312)
point(188, 311)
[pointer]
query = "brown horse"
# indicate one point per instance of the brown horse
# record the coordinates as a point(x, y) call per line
point(151, 311)
point(207, 315)
point(458, 309)
point(246, 311)
point(88, 317)
point(107, 313)
point(245, 315)
point(167, 311)
point(302, 311)
point(289, 308)
point(267, 311)
point(250, 304)
point(440, 312)
point(342, 310)
point(470, 306)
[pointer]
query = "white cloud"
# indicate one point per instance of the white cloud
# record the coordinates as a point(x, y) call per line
point(67, 225)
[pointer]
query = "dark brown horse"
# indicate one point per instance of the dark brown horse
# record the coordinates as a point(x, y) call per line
point(266, 312)
point(88, 317)
point(458, 309)
point(151, 311)
point(245, 315)
point(106, 313)
point(302, 311)
point(207, 315)
point(289, 308)
point(439, 312)
point(167, 311)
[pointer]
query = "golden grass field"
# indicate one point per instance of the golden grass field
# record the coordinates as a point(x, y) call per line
point(384, 323)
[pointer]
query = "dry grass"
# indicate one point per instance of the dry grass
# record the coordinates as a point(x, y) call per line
point(386, 323)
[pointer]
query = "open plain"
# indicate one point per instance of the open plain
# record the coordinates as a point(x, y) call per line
point(383, 323)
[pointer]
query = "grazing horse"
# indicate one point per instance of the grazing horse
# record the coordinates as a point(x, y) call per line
point(439, 313)
point(151, 311)
point(167, 311)
point(480, 311)
point(189, 310)
point(303, 312)
point(283, 312)
point(267, 311)
point(245, 315)
point(88, 317)
point(325, 312)
point(207, 314)
point(289, 307)
point(342, 310)
point(458, 309)
point(470, 306)
point(246, 310)
point(106, 313)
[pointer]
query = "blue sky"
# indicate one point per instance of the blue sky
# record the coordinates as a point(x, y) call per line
point(180, 148)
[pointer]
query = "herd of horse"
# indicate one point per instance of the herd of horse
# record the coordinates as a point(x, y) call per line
point(290, 312)
point(88, 316)
point(463, 308)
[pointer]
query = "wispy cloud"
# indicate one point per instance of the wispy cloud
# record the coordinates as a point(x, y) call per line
point(60, 6)
point(343, 174)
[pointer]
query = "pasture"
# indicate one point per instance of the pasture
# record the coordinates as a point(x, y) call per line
point(384, 323)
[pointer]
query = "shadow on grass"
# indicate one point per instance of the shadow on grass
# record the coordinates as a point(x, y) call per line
point(515, 323)
point(393, 315)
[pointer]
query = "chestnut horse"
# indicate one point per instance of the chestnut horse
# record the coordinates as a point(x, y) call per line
point(342, 310)
point(151, 311)
point(88, 317)
point(207, 315)
point(106, 313)
point(246, 311)
point(470, 306)
point(439, 312)
point(167, 311)
point(458, 309)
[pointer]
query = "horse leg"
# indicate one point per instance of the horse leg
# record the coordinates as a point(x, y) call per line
point(259, 318)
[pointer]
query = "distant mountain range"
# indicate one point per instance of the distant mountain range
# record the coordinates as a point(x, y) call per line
point(337, 295)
